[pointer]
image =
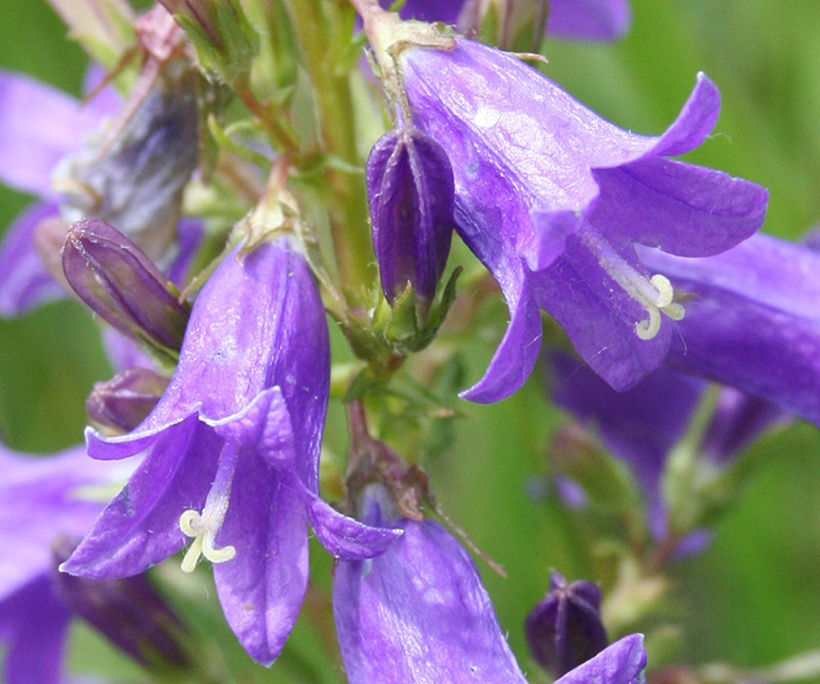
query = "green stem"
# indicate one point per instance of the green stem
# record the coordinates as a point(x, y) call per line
point(334, 103)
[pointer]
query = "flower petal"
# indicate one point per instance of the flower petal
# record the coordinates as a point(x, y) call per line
point(262, 588)
point(702, 211)
point(346, 538)
point(140, 527)
point(33, 626)
point(589, 19)
point(518, 351)
point(621, 663)
point(24, 281)
point(419, 613)
point(38, 126)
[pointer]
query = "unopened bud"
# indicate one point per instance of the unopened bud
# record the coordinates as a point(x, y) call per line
point(411, 195)
point(128, 612)
point(565, 628)
point(120, 404)
point(115, 278)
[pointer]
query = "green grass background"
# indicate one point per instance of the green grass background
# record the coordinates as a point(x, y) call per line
point(754, 596)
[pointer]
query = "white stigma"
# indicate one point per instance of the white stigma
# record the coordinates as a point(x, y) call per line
point(654, 294)
point(203, 527)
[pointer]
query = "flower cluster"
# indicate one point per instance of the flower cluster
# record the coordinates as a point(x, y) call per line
point(190, 202)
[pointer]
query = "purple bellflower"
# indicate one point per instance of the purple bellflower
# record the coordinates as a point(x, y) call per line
point(643, 424)
point(41, 499)
point(753, 320)
point(39, 126)
point(419, 613)
point(553, 199)
point(233, 452)
point(599, 20)
point(410, 190)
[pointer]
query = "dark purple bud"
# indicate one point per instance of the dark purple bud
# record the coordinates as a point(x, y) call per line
point(121, 403)
point(128, 612)
point(118, 281)
point(411, 194)
point(565, 628)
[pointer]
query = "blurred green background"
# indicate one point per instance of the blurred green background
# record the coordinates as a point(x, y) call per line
point(754, 596)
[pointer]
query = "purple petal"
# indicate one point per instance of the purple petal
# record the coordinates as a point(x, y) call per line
point(702, 211)
point(140, 527)
point(190, 232)
point(621, 663)
point(516, 354)
point(106, 102)
point(38, 502)
point(418, 613)
point(24, 281)
point(33, 626)
point(38, 126)
point(752, 322)
point(265, 424)
point(589, 19)
point(346, 538)
point(262, 588)
point(429, 10)
point(123, 352)
point(599, 316)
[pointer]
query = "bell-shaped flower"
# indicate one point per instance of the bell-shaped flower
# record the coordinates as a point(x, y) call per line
point(41, 499)
point(419, 613)
point(553, 199)
point(753, 320)
point(233, 452)
point(642, 425)
point(572, 19)
point(410, 191)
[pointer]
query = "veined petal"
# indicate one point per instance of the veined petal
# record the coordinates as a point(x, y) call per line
point(419, 613)
point(589, 19)
point(140, 527)
point(702, 211)
point(262, 588)
point(24, 281)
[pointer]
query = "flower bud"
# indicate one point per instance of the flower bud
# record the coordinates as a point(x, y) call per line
point(115, 278)
point(565, 629)
point(121, 403)
point(128, 612)
point(411, 194)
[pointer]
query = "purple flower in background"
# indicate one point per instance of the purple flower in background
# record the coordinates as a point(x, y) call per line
point(419, 613)
point(40, 500)
point(83, 161)
point(643, 424)
point(233, 451)
point(410, 191)
point(39, 126)
point(752, 320)
point(573, 19)
point(553, 199)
